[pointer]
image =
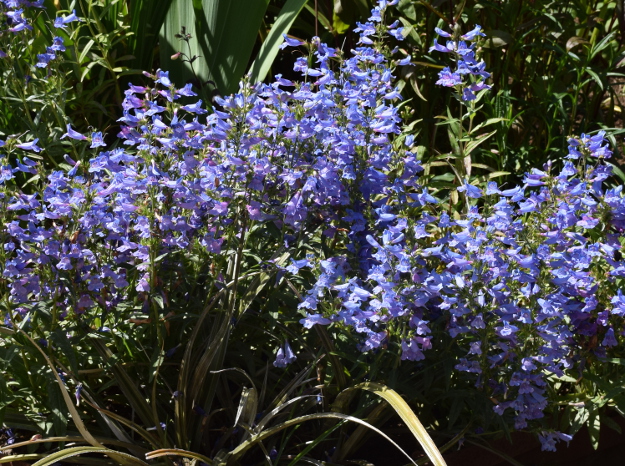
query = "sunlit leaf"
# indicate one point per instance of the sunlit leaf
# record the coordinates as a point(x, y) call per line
point(269, 50)
point(222, 37)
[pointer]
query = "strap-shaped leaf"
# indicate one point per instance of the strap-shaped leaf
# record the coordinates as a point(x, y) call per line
point(177, 452)
point(269, 50)
point(68, 401)
point(121, 458)
point(408, 416)
point(230, 458)
point(145, 22)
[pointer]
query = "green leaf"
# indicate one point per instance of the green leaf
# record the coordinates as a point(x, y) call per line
point(472, 145)
point(594, 426)
point(271, 45)
point(497, 174)
point(59, 338)
point(85, 51)
point(406, 8)
point(603, 43)
point(56, 404)
point(248, 407)
point(338, 26)
point(223, 33)
point(596, 77)
point(68, 401)
point(408, 416)
point(232, 456)
point(145, 23)
point(581, 417)
point(496, 39)
point(488, 122)
point(17, 458)
point(178, 452)
point(122, 458)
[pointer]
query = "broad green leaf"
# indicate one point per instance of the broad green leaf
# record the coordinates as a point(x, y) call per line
point(406, 8)
point(145, 23)
point(248, 406)
point(223, 33)
point(346, 12)
point(271, 45)
point(338, 25)
point(496, 39)
point(497, 174)
point(581, 417)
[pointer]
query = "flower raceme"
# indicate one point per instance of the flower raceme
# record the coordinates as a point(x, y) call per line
point(14, 11)
point(523, 284)
point(469, 75)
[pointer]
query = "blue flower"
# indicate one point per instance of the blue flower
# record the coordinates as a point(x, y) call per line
point(448, 78)
point(61, 22)
point(74, 134)
point(96, 140)
point(290, 42)
point(476, 31)
point(32, 145)
point(285, 356)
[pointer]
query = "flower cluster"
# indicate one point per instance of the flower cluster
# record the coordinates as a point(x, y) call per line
point(44, 59)
point(469, 75)
point(14, 11)
point(287, 157)
point(17, 22)
point(527, 284)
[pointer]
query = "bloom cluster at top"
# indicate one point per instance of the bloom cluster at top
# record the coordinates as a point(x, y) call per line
point(469, 75)
point(14, 11)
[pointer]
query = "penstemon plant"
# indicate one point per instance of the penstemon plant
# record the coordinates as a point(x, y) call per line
point(195, 224)
point(468, 80)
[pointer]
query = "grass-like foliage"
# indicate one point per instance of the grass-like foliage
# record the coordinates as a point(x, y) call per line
point(243, 285)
